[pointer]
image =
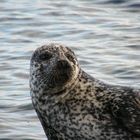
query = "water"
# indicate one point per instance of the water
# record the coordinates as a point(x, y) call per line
point(105, 35)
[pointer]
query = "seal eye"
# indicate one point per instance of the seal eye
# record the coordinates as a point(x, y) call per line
point(45, 56)
point(70, 57)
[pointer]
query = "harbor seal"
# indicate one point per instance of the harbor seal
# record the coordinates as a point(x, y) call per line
point(73, 105)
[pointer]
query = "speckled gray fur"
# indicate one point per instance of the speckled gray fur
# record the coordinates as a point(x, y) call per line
point(72, 105)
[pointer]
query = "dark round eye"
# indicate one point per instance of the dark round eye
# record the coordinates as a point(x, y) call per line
point(70, 57)
point(45, 56)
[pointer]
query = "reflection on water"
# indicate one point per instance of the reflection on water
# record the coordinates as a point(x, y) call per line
point(105, 35)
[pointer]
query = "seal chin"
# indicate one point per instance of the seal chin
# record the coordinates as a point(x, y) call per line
point(61, 78)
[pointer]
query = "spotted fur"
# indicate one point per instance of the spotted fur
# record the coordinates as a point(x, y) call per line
point(72, 105)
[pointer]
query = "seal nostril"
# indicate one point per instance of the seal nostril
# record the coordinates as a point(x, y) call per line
point(63, 64)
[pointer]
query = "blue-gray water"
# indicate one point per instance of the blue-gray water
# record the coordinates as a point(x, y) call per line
point(105, 35)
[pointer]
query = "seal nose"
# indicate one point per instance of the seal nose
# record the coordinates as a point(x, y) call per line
point(63, 64)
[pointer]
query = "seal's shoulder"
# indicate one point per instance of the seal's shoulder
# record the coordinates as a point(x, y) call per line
point(125, 107)
point(123, 101)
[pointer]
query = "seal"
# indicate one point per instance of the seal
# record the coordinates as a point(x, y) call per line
point(73, 105)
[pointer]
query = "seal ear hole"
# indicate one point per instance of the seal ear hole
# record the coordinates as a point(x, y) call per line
point(45, 56)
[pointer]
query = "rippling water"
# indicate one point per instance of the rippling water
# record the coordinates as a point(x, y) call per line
point(105, 35)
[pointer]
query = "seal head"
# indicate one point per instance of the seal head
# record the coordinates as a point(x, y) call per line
point(53, 68)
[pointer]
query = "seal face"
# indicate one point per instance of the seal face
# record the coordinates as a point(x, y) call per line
point(53, 67)
point(73, 105)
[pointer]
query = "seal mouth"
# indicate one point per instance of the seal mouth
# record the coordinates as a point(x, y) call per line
point(63, 76)
point(57, 78)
